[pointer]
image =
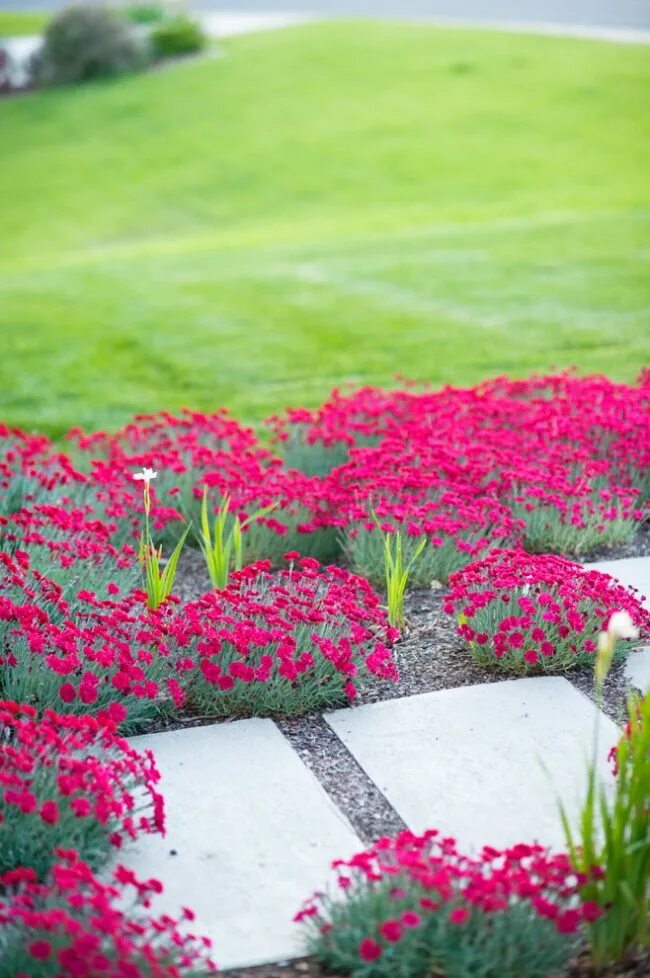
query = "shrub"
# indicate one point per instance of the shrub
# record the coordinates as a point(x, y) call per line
point(456, 526)
point(315, 442)
point(87, 42)
point(177, 36)
point(144, 13)
point(535, 613)
point(193, 452)
point(574, 516)
point(69, 544)
point(80, 655)
point(76, 924)
point(283, 644)
point(413, 906)
point(73, 781)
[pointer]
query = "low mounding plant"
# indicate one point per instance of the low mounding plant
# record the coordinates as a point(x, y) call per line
point(613, 831)
point(87, 42)
point(176, 36)
point(574, 516)
point(454, 530)
point(301, 639)
point(73, 781)
point(413, 906)
point(81, 654)
point(76, 924)
point(536, 613)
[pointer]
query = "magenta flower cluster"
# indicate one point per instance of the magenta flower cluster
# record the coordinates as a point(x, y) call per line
point(415, 904)
point(533, 612)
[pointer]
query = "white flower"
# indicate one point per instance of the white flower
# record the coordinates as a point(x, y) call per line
point(145, 476)
point(621, 626)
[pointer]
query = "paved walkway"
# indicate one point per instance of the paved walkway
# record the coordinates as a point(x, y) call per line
point(251, 832)
point(593, 13)
point(626, 21)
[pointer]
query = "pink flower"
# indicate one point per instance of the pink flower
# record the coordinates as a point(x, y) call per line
point(568, 922)
point(411, 919)
point(369, 950)
point(50, 812)
point(40, 950)
point(391, 930)
point(459, 915)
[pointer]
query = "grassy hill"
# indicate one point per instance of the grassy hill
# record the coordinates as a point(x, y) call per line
point(320, 205)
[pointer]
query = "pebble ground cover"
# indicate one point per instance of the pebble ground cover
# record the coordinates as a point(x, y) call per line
point(506, 484)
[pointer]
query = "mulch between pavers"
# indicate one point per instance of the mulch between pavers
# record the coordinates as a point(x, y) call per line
point(636, 965)
point(430, 657)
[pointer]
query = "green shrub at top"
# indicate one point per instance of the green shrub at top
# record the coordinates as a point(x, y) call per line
point(144, 13)
point(177, 36)
point(84, 42)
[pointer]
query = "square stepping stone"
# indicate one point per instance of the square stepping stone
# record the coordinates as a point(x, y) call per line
point(631, 571)
point(485, 764)
point(637, 669)
point(252, 835)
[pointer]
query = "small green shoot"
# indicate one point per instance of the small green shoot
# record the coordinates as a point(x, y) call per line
point(397, 575)
point(222, 546)
point(158, 581)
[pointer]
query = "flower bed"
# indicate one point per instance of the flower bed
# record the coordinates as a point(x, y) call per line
point(79, 653)
point(284, 644)
point(194, 451)
point(534, 613)
point(548, 465)
point(70, 781)
point(75, 924)
point(414, 905)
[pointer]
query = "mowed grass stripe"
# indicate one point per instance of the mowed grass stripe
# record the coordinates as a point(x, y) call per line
point(327, 203)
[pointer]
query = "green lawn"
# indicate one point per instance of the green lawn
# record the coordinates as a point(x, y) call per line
point(321, 205)
point(15, 22)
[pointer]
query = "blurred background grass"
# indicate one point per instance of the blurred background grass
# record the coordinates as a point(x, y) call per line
point(328, 203)
point(16, 22)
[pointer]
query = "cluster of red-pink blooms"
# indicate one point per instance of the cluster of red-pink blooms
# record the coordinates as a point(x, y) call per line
point(419, 491)
point(536, 611)
point(34, 458)
point(512, 423)
point(79, 652)
point(192, 452)
point(576, 448)
point(504, 463)
point(56, 768)
point(298, 629)
point(75, 924)
point(400, 882)
point(306, 624)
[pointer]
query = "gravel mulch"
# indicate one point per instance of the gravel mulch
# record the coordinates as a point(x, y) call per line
point(359, 798)
point(635, 966)
point(639, 546)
